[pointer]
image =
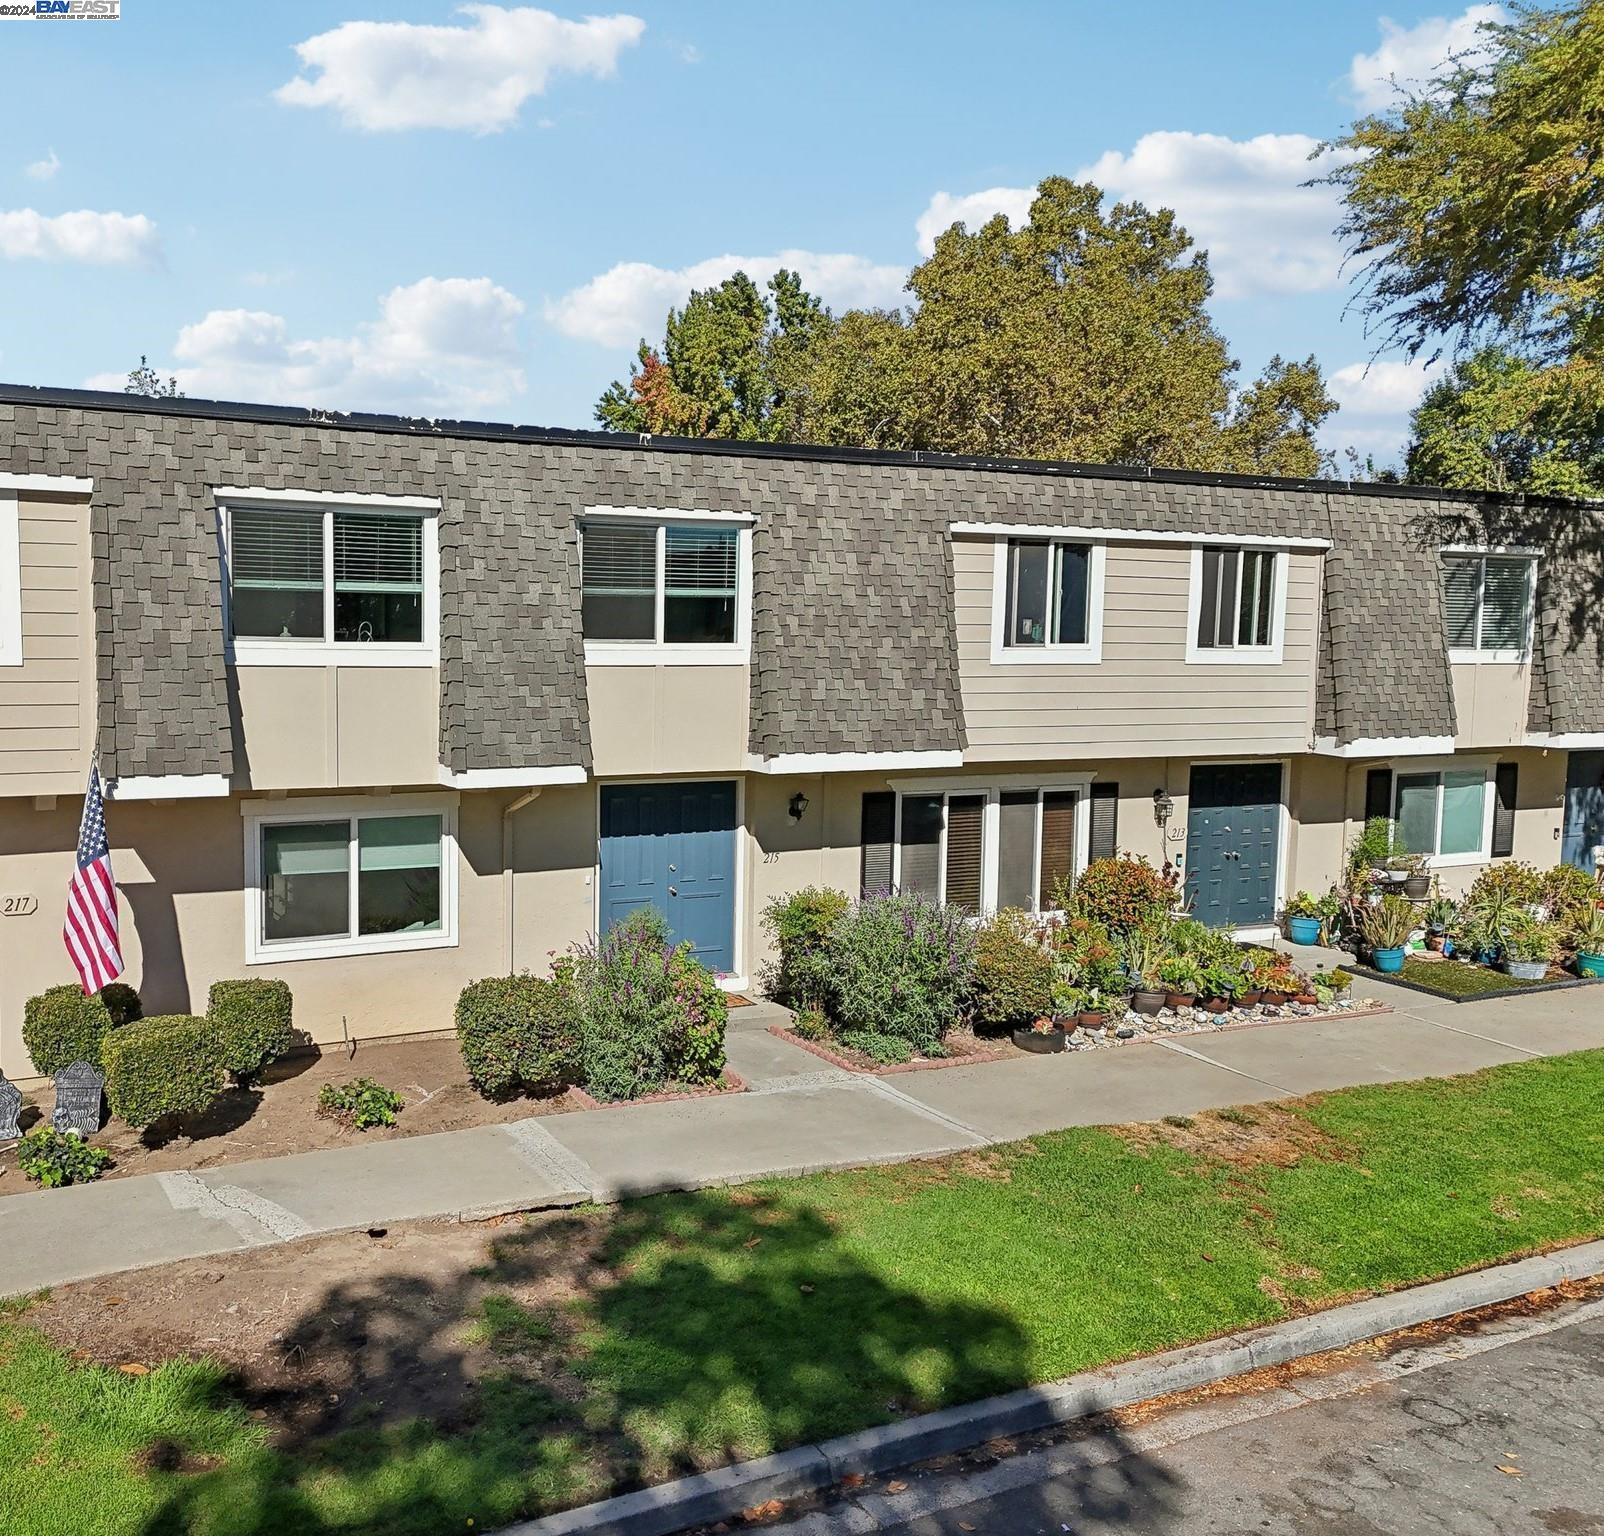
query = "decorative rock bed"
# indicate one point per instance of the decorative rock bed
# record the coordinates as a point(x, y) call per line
point(1199, 1021)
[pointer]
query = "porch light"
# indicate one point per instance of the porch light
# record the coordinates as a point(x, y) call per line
point(1163, 807)
point(799, 804)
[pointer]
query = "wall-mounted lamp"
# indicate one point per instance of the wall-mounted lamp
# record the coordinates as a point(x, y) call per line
point(799, 804)
point(1163, 807)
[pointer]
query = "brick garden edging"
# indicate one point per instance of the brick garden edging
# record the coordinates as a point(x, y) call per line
point(928, 1064)
point(733, 1083)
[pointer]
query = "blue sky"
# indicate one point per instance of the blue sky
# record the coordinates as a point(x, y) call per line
point(477, 210)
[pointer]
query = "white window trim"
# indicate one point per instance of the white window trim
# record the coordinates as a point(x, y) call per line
point(1474, 656)
point(991, 825)
point(656, 653)
point(1003, 654)
point(1489, 799)
point(10, 582)
point(1239, 655)
point(256, 650)
point(260, 951)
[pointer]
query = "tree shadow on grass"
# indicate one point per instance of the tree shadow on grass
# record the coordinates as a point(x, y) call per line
point(591, 1353)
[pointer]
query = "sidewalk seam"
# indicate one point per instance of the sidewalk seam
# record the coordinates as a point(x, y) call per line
point(1508, 1045)
point(1186, 1050)
point(550, 1158)
point(907, 1101)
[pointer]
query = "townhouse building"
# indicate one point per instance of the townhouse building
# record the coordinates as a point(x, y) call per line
point(386, 705)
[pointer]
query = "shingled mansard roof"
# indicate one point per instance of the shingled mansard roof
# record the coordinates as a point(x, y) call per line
point(853, 634)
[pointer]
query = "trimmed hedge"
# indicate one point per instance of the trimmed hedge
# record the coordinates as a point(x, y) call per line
point(1013, 973)
point(168, 1065)
point(252, 1018)
point(61, 1025)
point(518, 1034)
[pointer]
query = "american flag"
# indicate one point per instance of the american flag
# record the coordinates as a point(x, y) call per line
point(91, 926)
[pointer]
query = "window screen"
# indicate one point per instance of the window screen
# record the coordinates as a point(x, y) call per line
point(699, 586)
point(1048, 594)
point(398, 874)
point(619, 582)
point(1236, 600)
point(378, 577)
point(921, 844)
point(1016, 848)
point(1461, 601)
point(275, 567)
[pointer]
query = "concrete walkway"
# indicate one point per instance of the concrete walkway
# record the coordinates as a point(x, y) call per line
point(801, 1115)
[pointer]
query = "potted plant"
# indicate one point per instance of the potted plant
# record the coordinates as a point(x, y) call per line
point(1329, 908)
point(1218, 987)
point(1043, 1038)
point(1440, 915)
point(1249, 992)
point(1589, 936)
point(1331, 986)
point(1303, 919)
point(1416, 869)
point(1528, 949)
point(1270, 978)
point(1095, 1011)
point(1369, 852)
point(1143, 955)
point(1385, 929)
point(1183, 978)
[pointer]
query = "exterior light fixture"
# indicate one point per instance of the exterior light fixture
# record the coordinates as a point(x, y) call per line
point(1163, 807)
point(799, 804)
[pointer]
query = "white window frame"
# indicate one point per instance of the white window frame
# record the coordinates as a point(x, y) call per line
point(1003, 654)
point(1440, 765)
point(656, 652)
point(1475, 655)
point(257, 815)
point(263, 650)
point(10, 582)
point(1239, 655)
point(991, 825)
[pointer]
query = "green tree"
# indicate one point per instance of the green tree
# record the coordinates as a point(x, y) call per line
point(1501, 423)
point(144, 380)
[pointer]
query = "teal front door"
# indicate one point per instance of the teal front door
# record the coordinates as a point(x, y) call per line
point(1233, 827)
point(1584, 809)
point(672, 846)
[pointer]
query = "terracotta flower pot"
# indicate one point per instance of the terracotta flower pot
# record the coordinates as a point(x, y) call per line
point(1248, 999)
point(1179, 999)
point(1306, 999)
point(1215, 1004)
point(1275, 999)
point(1091, 1019)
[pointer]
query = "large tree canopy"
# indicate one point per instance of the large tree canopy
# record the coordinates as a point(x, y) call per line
point(1081, 335)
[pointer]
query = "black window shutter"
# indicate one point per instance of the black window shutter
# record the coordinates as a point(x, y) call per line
point(1378, 794)
point(879, 831)
point(1506, 779)
point(1105, 822)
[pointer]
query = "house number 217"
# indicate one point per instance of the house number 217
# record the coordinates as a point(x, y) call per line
point(18, 906)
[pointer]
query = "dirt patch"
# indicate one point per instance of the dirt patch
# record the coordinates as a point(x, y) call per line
point(350, 1329)
point(280, 1117)
point(1264, 1135)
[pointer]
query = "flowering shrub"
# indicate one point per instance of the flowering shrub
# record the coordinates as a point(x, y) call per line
point(800, 925)
point(649, 1013)
point(900, 966)
point(1013, 972)
point(1122, 894)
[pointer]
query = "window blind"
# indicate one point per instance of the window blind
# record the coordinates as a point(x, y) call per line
point(1016, 848)
point(1505, 586)
point(398, 842)
point(1506, 783)
point(276, 551)
point(965, 839)
point(1057, 842)
point(377, 553)
point(1105, 822)
point(921, 844)
point(619, 561)
point(1461, 587)
point(699, 562)
point(877, 830)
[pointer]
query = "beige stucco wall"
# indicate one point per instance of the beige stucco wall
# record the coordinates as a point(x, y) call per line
point(47, 704)
point(1490, 703)
point(1142, 693)
point(671, 720)
point(333, 727)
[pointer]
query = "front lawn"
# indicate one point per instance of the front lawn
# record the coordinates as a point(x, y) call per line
point(1454, 979)
point(461, 1380)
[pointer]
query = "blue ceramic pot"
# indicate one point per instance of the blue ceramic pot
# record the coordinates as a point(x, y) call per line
point(1390, 960)
point(1303, 930)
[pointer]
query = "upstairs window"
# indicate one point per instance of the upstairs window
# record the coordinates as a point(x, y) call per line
point(1238, 599)
point(1049, 594)
point(661, 586)
point(316, 580)
point(1488, 603)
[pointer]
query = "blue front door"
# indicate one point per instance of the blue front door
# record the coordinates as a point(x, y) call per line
point(1233, 824)
point(1584, 809)
point(672, 846)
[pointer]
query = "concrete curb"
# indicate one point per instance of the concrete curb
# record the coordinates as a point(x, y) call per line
point(719, 1495)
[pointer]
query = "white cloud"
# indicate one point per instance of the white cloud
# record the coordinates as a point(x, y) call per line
point(103, 239)
point(440, 346)
point(389, 75)
point(1376, 399)
point(43, 170)
point(1242, 200)
point(972, 210)
point(630, 300)
point(1410, 56)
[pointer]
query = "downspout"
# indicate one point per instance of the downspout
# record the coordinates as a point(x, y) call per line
point(506, 871)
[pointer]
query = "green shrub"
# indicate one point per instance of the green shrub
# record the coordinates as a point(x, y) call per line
point(650, 1013)
point(903, 966)
point(800, 925)
point(1570, 898)
point(168, 1065)
point(359, 1104)
point(811, 1024)
point(883, 1050)
point(518, 1034)
point(54, 1158)
point(1510, 882)
point(121, 1001)
point(62, 1025)
point(252, 1019)
point(1013, 973)
point(1121, 894)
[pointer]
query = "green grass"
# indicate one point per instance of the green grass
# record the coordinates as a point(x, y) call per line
point(1453, 979)
point(728, 1323)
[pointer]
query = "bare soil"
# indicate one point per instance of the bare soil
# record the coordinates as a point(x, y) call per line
point(1261, 1136)
point(280, 1116)
point(351, 1329)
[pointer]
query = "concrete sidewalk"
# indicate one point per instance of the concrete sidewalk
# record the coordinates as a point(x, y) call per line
point(800, 1116)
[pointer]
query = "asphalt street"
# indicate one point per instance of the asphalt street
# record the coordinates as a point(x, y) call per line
point(1495, 1433)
